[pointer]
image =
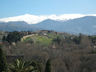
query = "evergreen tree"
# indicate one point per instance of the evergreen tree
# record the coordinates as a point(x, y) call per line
point(14, 37)
point(3, 63)
point(48, 66)
point(4, 38)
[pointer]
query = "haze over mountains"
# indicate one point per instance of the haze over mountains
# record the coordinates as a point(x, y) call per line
point(71, 23)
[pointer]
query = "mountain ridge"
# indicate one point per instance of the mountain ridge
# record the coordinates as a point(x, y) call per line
point(34, 19)
point(85, 25)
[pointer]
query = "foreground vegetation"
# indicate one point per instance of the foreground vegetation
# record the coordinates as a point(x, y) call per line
point(48, 51)
point(18, 65)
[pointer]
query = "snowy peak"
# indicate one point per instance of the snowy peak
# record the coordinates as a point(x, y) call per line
point(30, 19)
point(34, 19)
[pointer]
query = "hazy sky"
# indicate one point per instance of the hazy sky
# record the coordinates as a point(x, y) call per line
point(46, 7)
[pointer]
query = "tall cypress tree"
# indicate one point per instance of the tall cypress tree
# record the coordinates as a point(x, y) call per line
point(3, 63)
point(48, 66)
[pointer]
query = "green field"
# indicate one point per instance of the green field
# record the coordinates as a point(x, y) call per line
point(43, 40)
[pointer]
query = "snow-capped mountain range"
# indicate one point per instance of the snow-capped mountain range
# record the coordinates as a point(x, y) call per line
point(70, 23)
point(34, 19)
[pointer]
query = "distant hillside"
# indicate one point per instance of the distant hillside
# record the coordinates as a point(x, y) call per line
point(16, 26)
point(85, 25)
